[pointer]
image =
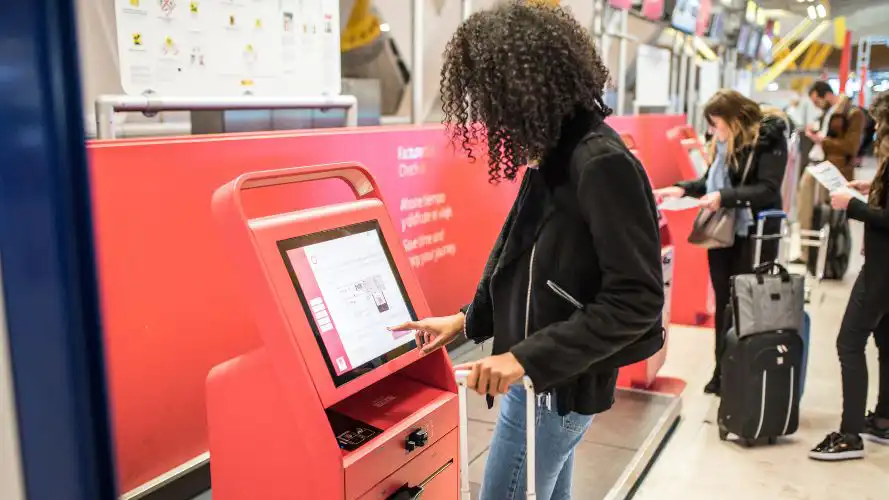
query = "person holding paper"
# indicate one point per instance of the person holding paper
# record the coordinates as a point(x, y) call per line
point(867, 312)
point(748, 157)
point(837, 139)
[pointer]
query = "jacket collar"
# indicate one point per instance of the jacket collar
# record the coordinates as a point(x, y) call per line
point(536, 199)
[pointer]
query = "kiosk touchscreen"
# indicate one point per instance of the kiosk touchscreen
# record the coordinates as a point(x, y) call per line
point(348, 285)
point(333, 404)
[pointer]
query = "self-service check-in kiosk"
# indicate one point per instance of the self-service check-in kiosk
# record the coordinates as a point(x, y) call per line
point(333, 405)
point(689, 151)
point(698, 302)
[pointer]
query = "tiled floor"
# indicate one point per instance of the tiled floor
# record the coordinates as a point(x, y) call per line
point(696, 465)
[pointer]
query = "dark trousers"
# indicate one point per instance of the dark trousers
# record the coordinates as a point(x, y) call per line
point(864, 316)
point(725, 263)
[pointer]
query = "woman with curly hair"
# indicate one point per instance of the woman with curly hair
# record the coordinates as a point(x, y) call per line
point(573, 288)
point(867, 312)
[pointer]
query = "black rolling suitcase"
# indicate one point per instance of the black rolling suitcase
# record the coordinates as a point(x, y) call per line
point(763, 367)
point(760, 386)
point(839, 242)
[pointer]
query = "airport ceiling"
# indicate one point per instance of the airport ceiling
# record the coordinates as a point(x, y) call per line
point(837, 7)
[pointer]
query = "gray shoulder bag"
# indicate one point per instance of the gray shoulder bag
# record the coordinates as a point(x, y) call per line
point(716, 228)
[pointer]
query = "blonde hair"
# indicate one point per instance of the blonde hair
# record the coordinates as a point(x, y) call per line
point(743, 117)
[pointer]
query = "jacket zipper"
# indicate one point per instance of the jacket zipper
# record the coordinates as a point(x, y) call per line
point(541, 398)
point(530, 286)
point(561, 293)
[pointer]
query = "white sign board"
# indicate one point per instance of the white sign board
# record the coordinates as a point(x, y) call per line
point(229, 47)
point(709, 80)
point(652, 76)
point(744, 82)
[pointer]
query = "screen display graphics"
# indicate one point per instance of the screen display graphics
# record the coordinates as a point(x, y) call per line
point(351, 292)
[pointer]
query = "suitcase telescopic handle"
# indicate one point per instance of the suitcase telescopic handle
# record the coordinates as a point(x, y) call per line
point(530, 435)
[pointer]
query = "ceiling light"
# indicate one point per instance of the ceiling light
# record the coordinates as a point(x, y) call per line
point(811, 12)
point(822, 12)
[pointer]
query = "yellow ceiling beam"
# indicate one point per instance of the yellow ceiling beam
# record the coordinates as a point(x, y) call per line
point(839, 31)
point(811, 53)
point(781, 66)
point(784, 43)
point(822, 56)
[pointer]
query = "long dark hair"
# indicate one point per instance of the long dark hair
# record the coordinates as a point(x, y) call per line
point(879, 110)
point(512, 75)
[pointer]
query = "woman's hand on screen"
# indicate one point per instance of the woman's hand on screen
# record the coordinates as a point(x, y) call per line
point(433, 333)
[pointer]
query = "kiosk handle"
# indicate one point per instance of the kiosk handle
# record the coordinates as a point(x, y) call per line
point(530, 435)
point(354, 174)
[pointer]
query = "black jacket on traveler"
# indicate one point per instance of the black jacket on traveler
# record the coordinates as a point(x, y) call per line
point(762, 189)
point(876, 241)
point(585, 221)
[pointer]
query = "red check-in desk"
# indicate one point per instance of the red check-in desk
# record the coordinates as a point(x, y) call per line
point(333, 405)
point(694, 303)
point(644, 373)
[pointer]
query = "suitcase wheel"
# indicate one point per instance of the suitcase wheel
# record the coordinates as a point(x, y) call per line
point(747, 443)
point(723, 434)
point(773, 440)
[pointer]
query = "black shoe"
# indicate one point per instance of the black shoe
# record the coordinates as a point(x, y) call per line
point(837, 447)
point(713, 387)
point(873, 432)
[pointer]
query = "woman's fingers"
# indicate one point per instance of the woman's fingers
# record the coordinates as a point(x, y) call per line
point(410, 325)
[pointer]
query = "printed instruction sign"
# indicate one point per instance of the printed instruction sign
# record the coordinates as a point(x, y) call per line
point(829, 176)
point(229, 47)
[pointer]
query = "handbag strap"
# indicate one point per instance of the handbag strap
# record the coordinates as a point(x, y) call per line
point(747, 166)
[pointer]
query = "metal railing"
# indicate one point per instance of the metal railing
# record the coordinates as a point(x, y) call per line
point(108, 105)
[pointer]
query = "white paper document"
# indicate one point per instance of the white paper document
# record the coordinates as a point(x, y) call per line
point(677, 204)
point(829, 176)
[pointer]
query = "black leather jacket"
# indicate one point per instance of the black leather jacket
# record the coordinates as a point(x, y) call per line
point(762, 189)
point(585, 222)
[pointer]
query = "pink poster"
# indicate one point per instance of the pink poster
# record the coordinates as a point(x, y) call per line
point(653, 9)
point(621, 4)
point(703, 17)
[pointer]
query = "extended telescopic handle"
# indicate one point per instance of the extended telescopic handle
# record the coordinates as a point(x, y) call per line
point(530, 435)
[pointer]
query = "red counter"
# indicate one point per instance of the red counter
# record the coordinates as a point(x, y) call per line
point(170, 307)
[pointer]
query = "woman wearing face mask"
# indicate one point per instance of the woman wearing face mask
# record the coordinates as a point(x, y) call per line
point(867, 312)
point(740, 128)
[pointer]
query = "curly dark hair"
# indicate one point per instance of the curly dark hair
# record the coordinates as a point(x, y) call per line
point(512, 75)
point(879, 111)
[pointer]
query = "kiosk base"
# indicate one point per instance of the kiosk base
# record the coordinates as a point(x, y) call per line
point(615, 453)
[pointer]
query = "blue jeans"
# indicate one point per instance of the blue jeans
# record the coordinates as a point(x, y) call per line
point(505, 473)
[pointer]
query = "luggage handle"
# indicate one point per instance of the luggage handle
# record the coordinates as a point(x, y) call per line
point(530, 435)
point(767, 268)
point(760, 236)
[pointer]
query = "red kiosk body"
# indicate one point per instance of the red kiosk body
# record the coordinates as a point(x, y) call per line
point(333, 405)
point(642, 375)
point(695, 303)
